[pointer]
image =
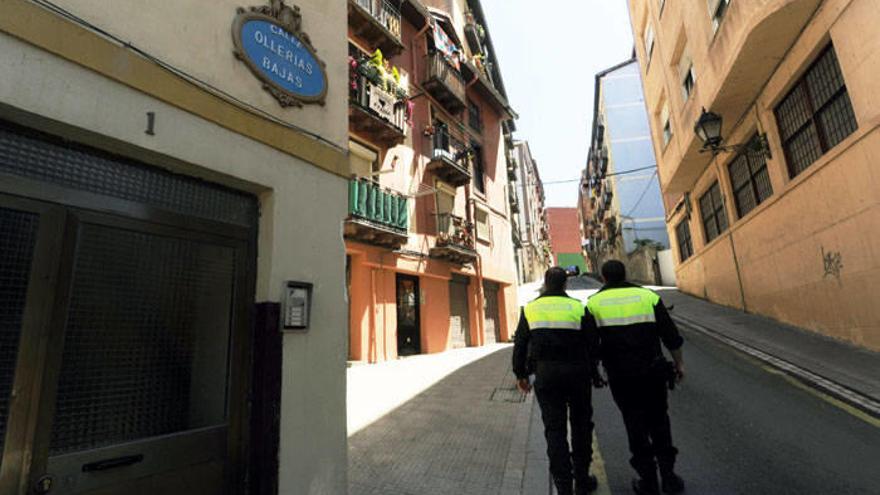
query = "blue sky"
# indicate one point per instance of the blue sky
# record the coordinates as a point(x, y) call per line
point(550, 52)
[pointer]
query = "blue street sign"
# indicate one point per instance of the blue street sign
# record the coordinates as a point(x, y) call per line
point(283, 59)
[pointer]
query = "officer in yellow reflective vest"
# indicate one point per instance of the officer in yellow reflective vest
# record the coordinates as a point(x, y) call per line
point(552, 343)
point(631, 322)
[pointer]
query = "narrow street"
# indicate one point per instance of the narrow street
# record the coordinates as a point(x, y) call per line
point(742, 428)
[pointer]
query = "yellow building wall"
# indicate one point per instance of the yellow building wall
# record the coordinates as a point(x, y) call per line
point(786, 249)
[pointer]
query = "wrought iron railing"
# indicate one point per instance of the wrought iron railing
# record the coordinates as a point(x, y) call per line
point(446, 145)
point(379, 100)
point(384, 207)
point(385, 12)
point(453, 230)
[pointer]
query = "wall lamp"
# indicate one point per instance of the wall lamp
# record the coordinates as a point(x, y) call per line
point(708, 129)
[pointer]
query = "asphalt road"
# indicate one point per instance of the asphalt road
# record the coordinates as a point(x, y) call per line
point(744, 429)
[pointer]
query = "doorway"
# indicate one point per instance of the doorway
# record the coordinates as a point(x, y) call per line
point(124, 323)
point(490, 309)
point(408, 317)
point(459, 321)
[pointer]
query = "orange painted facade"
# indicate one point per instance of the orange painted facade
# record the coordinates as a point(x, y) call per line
point(479, 251)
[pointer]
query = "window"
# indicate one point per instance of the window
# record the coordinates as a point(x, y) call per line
point(717, 9)
point(649, 42)
point(749, 178)
point(479, 172)
point(667, 127)
point(475, 120)
point(683, 236)
point(712, 210)
point(816, 114)
point(481, 218)
point(688, 78)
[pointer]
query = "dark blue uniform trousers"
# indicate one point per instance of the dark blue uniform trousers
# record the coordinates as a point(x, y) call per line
point(564, 393)
point(642, 403)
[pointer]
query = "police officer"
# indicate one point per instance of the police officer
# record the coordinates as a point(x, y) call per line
point(631, 322)
point(551, 341)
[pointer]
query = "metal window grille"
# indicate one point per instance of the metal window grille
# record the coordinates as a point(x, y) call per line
point(475, 120)
point(18, 235)
point(683, 236)
point(146, 339)
point(712, 211)
point(750, 180)
point(816, 114)
point(35, 156)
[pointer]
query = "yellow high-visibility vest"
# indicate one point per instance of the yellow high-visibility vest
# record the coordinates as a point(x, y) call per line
point(554, 312)
point(623, 306)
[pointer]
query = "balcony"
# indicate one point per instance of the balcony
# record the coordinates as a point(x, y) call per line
point(449, 158)
point(444, 82)
point(377, 110)
point(455, 240)
point(376, 215)
point(378, 23)
point(514, 203)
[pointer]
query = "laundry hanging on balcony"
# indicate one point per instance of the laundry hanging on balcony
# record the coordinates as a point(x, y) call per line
point(446, 46)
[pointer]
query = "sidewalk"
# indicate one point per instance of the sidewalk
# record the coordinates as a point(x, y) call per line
point(842, 370)
point(449, 423)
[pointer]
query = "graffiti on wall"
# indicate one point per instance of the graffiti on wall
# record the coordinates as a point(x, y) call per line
point(833, 263)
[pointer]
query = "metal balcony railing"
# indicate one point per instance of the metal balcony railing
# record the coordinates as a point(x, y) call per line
point(378, 100)
point(385, 12)
point(377, 205)
point(454, 231)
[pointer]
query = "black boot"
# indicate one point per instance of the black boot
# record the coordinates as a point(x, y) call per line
point(564, 487)
point(586, 485)
point(647, 484)
point(672, 483)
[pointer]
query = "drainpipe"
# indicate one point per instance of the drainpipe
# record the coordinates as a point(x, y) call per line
point(742, 293)
point(371, 345)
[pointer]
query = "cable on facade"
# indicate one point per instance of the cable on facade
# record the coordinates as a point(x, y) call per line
point(47, 4)
point(644, 192)
point(568, 181)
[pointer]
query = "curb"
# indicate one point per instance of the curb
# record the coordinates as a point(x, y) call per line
point(514, 469)
point(836, 390)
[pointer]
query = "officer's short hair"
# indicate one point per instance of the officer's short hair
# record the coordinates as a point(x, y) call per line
point(555, 278)
point(613, 271)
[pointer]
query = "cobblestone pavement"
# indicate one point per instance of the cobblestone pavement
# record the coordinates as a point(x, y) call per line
point(465, 434)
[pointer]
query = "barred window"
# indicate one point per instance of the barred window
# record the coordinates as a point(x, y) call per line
point(816, 114)
point(712, 211)
point(683, 236)
point(749, 178)
point(475, 120)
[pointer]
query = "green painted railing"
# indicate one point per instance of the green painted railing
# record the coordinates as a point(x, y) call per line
point(369, 201)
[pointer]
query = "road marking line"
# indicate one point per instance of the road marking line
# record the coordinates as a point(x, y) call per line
point(867, 418)
point(845, 395)
point(597, 467)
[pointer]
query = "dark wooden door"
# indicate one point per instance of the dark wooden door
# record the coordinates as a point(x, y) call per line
point(408, 318)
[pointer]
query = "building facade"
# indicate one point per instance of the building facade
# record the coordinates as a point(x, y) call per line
point(565, 238)
point(620, 193)
point(156, 204)
point(534, 256)
point(428, 232)
point(784, 222)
